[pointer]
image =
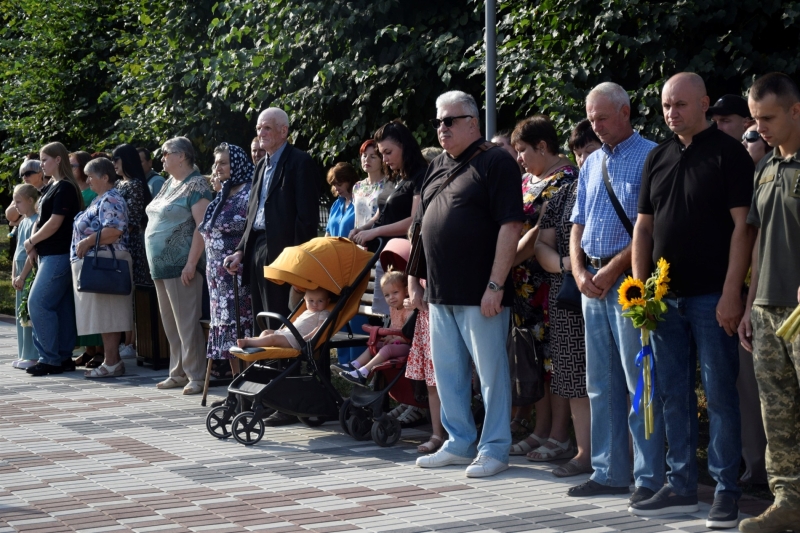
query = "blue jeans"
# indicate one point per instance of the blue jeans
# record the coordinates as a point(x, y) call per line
point(691, 331)
point(52, 308)
point(460, 334)
point(612, 344)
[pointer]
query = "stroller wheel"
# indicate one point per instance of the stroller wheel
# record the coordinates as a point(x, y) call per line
point(386, 431)
point(247, 428)
point(343, 414)
point(359, 426)
point(218, 422)
point(312, 421)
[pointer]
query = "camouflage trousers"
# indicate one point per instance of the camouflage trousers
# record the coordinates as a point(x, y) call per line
point(777, 366)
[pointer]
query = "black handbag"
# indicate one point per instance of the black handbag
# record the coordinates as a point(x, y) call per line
point(104, 275)
point(526, 367)
point(568, 297)
point(417, 266)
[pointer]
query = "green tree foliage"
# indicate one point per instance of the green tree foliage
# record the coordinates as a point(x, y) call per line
point(94, 74)
point(552, 52)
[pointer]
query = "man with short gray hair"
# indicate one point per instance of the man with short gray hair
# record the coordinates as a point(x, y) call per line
point(600, 252)
point(471, 201)
point(283, 211)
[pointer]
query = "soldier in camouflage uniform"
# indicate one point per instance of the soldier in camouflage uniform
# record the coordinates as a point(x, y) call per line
point(774, 101)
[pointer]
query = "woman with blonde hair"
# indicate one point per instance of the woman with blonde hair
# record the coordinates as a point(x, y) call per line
point(51, 304)
point(25, 198)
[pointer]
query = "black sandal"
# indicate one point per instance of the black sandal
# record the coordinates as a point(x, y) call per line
point(96, 361)
point(84, 358)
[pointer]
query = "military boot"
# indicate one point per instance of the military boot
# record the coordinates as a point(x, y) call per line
point(774, 520)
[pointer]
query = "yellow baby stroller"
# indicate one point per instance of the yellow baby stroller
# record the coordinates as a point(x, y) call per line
point(296, 382)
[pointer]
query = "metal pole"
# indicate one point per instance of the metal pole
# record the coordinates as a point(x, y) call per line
point(491, 68)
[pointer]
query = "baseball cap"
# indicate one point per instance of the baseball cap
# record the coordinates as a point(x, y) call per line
point(730, 104)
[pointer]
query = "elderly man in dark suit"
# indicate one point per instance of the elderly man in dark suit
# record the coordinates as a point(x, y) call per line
point(283, 211)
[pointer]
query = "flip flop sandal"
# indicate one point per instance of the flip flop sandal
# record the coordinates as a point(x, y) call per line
point(523, 447)
point(412, 416)
point(523, 429)
point(572, 468)
point(84, 358)
point(96, 361)
point(563, 450)
point(433, 444)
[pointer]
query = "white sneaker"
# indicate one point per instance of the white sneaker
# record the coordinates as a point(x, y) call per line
point(22, 364)
point(127, 350)
point(485, 466)
point(441, 458)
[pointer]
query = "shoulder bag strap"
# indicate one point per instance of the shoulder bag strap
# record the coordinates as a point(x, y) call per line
point(450, 177)
point(615, 201)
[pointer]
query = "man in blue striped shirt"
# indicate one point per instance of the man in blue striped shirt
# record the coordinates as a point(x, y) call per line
point(600, 252)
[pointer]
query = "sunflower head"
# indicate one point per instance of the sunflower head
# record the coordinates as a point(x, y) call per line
point(631, 293)
point(662, 279)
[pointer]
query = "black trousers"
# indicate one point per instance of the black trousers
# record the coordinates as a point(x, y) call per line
point(266, 295)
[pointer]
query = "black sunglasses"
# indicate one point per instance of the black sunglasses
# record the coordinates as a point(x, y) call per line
point(447, 121)
point(751, 136)
point(29, 173)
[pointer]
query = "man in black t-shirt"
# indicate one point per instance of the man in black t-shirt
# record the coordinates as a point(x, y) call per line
point(470, 231)
point(693, 204)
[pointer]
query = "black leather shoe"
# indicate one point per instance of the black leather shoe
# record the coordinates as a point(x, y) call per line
point(68, 365)
point(280, 419)
point(42, 369)
point(641, 494)
point(593, 488)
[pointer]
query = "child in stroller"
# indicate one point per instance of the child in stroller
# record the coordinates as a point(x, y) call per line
point(394, 285)
point(307, 324)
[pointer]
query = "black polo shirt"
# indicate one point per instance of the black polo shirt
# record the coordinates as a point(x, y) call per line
point(460, 226)
point(690, 192)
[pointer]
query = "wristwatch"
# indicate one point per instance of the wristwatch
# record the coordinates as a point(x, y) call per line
point(494, 287)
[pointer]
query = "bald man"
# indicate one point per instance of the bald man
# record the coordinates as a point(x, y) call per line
point(283, 211)
point(696, 192)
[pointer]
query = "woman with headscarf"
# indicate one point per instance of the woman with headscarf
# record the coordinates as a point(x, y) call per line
point(133, 188)
point(222, 229)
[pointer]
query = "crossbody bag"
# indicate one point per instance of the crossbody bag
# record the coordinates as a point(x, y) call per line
point(417, 266)
point(626, 222)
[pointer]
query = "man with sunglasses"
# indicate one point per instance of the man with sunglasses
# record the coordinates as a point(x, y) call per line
point(471, 217)
point(774, 101)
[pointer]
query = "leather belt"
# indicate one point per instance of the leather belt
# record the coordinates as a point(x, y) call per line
point(598, 262)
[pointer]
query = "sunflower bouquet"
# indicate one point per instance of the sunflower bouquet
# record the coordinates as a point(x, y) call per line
point(642, 303)
point(22, 313)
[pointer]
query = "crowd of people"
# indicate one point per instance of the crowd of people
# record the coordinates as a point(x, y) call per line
point(507, 228)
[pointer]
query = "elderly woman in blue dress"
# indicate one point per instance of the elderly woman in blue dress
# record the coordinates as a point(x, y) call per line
point(222, 229)
point(106, 314)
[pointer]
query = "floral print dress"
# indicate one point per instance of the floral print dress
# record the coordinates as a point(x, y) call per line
point(132, 191)
point(221, 241)
point(365, 199)
point(531, 282)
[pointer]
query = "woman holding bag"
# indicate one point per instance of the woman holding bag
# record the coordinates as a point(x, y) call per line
point(106, 314)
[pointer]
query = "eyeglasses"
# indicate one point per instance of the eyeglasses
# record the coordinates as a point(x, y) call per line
point(75, 165)
point(164, 153)
point(751, 136)
point(29, 173)
point(447, 121)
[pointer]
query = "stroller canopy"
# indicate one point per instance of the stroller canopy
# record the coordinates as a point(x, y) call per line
point(328, 262)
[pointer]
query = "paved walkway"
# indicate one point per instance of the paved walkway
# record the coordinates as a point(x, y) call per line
point(121, 455)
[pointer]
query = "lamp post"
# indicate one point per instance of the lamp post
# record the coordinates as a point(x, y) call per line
point(491, 68)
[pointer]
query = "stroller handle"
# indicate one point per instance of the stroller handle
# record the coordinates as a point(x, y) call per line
point(261, 318)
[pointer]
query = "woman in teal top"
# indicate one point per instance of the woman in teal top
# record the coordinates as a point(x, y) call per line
point(174, 250)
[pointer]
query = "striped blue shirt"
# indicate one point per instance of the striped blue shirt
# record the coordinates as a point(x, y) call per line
point(604, 235)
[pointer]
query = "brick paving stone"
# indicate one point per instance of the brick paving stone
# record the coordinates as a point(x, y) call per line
point(123, 456)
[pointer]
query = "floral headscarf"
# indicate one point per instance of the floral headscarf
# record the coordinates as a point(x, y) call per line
point(241, 172)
